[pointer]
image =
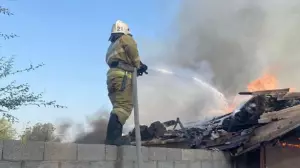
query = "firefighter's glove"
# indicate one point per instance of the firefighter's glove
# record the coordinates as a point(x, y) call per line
point(143, 69)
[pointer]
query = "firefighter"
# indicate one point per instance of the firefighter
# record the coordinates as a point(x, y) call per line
point(122, 57)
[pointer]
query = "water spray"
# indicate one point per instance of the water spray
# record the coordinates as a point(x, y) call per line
point(197, 80)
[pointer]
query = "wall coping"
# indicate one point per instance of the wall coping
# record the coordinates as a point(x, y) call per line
point(15, 150)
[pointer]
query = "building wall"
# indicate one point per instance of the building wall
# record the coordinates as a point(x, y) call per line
point(281, 157)
point(250, 159)
point(15, 154)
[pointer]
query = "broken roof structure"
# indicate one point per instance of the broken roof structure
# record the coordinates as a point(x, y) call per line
point(265, 117)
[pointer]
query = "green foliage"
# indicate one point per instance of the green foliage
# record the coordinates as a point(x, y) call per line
point(13, 96)
point(6, 36)
point(6, 130)
point(40, 132)
point(5, 11)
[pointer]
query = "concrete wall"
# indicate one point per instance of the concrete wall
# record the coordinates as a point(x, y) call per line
point(14, 154)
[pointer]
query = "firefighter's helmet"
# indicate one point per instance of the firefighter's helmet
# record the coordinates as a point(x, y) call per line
point(120, 27)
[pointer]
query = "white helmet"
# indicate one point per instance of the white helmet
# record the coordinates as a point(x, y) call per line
point(120, 27)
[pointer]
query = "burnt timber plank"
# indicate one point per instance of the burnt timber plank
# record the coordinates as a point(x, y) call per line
point(273, 130)
point(281, 114)
point(267, 92)
point(290, 95)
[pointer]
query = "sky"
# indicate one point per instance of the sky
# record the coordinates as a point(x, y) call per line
point(71, 39)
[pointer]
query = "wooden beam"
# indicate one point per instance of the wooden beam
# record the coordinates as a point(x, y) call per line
point(273, 130)
point(262, 156)
point(281, 114)
point(290, 95)
point(267, 92)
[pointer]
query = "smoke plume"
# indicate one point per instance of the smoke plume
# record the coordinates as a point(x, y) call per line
point(239, 39)
point(225, 34)
point(98, 124)
point(280, 44)
point(225, 43)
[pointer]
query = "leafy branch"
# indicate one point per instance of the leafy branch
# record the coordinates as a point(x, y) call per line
point(5, 11)
point(13, 96)
point(8, 36)
point(5, 36)
point(7, 65)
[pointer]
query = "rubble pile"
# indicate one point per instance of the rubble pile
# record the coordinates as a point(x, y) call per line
point(229, 132)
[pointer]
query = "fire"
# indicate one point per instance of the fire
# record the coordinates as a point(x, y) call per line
point(231, 107)
point(284, 144)
point(291, 145)
point(266, 82)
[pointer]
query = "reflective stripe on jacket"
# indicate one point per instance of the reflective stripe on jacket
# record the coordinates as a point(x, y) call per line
point(118, 73)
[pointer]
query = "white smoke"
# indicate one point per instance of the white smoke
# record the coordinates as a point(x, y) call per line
point(225, 43)
point(165, 96)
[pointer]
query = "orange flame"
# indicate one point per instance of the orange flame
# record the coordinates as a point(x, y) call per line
point(266, 82)
point(292, 89)
point(284, 144)
point(231, 107)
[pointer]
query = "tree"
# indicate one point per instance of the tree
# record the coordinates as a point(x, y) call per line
point(6, 130)
point(13, 95)
point(40, 132)
point(7, 12)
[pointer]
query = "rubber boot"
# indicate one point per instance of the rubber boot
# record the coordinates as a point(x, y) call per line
point(114, 132)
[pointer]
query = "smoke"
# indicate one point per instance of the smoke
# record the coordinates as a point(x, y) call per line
point(227, 44)
point(93, 131)
point(97, 134)
point(62, 128)
point(281, 40)
point(225, 34)
point(239, 39)
point(213, 40)
point(164, 97)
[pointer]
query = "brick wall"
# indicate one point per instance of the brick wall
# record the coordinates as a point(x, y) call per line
point(14, 154)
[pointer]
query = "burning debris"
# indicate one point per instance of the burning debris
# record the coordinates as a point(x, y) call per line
point(285, 144)
point(266, 116)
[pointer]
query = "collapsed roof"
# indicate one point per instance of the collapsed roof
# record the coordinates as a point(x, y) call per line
point(265, 117)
